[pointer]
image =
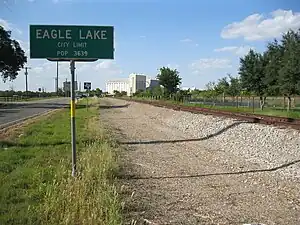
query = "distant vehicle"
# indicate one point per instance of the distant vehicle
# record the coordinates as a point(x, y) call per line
point(78, 96)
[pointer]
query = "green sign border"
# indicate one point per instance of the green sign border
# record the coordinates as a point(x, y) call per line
point(93, 59)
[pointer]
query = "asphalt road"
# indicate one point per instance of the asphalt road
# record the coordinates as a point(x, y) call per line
point(10, 112)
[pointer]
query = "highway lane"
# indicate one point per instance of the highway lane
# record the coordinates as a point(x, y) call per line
point(11, 112)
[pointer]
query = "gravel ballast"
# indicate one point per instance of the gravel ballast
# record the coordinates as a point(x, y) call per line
point(267, 145)
point(183, 168)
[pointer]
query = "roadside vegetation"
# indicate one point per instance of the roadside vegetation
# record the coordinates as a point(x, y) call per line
point(267, 83)
point(36, 186)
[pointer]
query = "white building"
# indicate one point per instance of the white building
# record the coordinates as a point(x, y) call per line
point(136, 82)
point(118, 85)
point(131, 85)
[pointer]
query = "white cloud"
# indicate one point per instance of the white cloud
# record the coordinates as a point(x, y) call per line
point(142, 36)
point(240, 51)
point(173, 66)
point(9, 26)
point(258, 27)
point(5, 24)
point(209, 63)
point(189, 41)
point(186, 40)
point(108, 67)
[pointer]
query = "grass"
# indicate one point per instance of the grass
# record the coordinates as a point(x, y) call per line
point(293, 113)
point(12, 99)
point(267, 111)
point(36, 186)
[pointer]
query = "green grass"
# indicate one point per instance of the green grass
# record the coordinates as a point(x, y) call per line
point(293, 113)
point(36, 186)
point(11, 99)
point(267, 111)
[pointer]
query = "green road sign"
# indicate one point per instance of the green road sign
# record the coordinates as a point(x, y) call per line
point(63, 42)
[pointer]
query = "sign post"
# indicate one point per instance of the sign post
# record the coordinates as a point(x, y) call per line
point(72, 43)
point(87, 86)
point(73, 125)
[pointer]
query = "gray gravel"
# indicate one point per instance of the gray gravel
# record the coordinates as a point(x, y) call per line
point(267, 145)
point(181, 175)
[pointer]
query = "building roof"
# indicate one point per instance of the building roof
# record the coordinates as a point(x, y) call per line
point(118, 80)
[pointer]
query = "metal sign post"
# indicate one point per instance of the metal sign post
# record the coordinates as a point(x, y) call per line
point(87, 101)
point(71, 43)
point(87, 86)
point(73, 125)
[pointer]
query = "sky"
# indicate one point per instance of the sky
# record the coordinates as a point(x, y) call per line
point(202, 39)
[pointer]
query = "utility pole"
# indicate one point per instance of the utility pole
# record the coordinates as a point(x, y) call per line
point(55, 84)
point(66, 90)
point(26, 80)
point(57, 78)
point(76, 82)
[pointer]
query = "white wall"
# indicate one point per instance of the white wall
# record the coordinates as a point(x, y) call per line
point(118, 85)
point(136, 82)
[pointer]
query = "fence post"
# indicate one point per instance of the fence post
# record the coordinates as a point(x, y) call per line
point(253, 104)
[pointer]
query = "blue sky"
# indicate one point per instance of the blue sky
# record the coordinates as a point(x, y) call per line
point(202, 39)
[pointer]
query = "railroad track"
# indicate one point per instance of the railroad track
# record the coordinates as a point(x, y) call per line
point(283, 122)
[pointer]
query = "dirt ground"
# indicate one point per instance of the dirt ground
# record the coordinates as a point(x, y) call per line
point(169, 179)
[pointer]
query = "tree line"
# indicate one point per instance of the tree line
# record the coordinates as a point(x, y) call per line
point(275, 72)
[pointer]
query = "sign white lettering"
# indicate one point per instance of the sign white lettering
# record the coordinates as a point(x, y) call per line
point(67, 34)
point(61, 53)
point(53, 34)
point(63, 44)
point(93, 35)
point(80, 53)
point(79, 44)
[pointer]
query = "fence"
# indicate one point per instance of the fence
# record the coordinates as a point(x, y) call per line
point(17, 98)
point(247, 102)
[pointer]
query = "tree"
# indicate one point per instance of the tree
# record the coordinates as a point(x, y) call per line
point(222, 87)
point(252, 75)
point(210, 90)
point(289, 73)
point(123, 93)
point(12, 57)
point(157, 91)
point(273, 57)
point(169, 79)
point(234, 88)
point(98, 92)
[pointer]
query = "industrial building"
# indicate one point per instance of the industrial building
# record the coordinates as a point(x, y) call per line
point(118, 85)
point(151, 83)
point(67, 86)
point(131, 85)
point(136, 82)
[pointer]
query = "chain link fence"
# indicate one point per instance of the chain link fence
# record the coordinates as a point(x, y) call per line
point(246, 102)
